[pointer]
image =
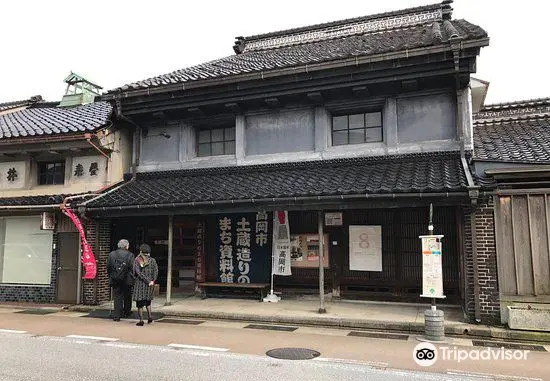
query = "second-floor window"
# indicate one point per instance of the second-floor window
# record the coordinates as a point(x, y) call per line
point(216, 141)
point(357, 128)
point(51, 173)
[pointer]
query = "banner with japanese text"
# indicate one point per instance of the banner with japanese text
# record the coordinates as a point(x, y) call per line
point(88, 258)
point(281, 244)
point(243, 247)
point(432, 271)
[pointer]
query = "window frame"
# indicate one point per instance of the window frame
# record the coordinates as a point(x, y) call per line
point(364, 128)
point(224, 141)
point(44, 174)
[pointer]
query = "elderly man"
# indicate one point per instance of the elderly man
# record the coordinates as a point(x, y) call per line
point(121, 279)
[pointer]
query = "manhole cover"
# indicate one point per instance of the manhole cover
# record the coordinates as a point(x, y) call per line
point(293, 353)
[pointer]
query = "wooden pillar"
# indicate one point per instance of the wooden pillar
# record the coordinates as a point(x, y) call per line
point(169, 270)
point(322, 308)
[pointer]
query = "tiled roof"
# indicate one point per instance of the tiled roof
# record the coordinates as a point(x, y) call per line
point(54, 120)
point(380, 175)
point(16, 104)
point(32, 200)
point(509, 110)
point(365, 36)
point(516, 132)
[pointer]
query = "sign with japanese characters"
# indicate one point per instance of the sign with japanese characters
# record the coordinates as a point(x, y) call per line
point(281, 244)
point(12, 175)
point(365, 248)
point(432, 271)
point(89, 169)
point(200, 274)
point(334, 219)
point(243, 247)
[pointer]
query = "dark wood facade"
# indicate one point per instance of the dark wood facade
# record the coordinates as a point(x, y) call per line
point(400, 280)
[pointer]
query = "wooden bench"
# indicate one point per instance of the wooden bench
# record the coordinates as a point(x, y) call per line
point(254, 286)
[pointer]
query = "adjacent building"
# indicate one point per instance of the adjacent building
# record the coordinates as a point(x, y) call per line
point(511, 163)
point(52, 154)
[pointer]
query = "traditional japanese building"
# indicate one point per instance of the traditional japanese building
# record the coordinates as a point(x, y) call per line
point(52, 154)
point(511, 162)
point(354, 127)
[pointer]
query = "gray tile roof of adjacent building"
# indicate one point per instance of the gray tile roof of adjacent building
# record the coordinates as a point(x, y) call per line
point(22, 103)
point(51, 120)
point(516, 132)
point(435, 172)
point(33, 200)
point(402, 30)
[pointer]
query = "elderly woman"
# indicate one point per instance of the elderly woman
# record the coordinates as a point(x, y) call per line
point(146, 273)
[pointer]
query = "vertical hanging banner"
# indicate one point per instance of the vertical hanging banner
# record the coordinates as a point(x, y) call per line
point(281, 244)
point(200, 275)
point(88, 258)
point(243, 248)
point(432, 269)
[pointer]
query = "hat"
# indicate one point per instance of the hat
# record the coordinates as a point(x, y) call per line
point(144, 248)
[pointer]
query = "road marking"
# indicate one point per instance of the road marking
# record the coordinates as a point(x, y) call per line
point(121, 345)
point(186, 346)
point(92, 338)
point(491, 376)
point(11, 331)
point(352, 362)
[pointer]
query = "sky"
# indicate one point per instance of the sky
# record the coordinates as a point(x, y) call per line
point(116, 42)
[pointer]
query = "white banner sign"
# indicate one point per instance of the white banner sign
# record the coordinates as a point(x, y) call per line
point(281, 244)
point(432, 270)
point(365, 248)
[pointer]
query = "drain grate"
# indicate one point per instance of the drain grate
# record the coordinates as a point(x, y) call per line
point(271, 327)
point(37, 312)
point(293, 353)
point(496, 344)
point(180, 321)
point(379, 335)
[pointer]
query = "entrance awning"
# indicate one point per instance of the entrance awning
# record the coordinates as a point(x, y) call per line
point(414, 175)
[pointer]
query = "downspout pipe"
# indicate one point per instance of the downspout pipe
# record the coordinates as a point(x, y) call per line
point(473, 190)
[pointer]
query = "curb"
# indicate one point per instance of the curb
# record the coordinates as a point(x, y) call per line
point(453, 329)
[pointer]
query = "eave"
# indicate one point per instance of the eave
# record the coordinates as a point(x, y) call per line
point(303, 69)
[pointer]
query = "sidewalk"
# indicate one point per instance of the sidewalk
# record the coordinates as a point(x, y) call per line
point(403, 317)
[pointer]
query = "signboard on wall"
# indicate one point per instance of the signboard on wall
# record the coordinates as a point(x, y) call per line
point(304, 250)
point(243, 247)
point(281, 244)
point(365, 248)
point(334, 219)
point(432, 270)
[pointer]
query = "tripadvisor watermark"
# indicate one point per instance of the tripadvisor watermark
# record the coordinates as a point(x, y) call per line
point(426, 354)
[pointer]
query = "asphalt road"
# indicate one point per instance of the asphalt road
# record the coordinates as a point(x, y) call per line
point(229, 350)
point(45, 358)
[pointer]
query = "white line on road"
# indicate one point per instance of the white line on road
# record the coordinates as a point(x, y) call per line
point(11, 331)
point(121, 345)
point(186, 346)
point(99, 338)
point(491, 376)
point(353, 362)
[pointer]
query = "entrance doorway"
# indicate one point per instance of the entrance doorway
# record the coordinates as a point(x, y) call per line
point(67, 267)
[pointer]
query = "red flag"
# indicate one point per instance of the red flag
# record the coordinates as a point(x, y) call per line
point(88, 258)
